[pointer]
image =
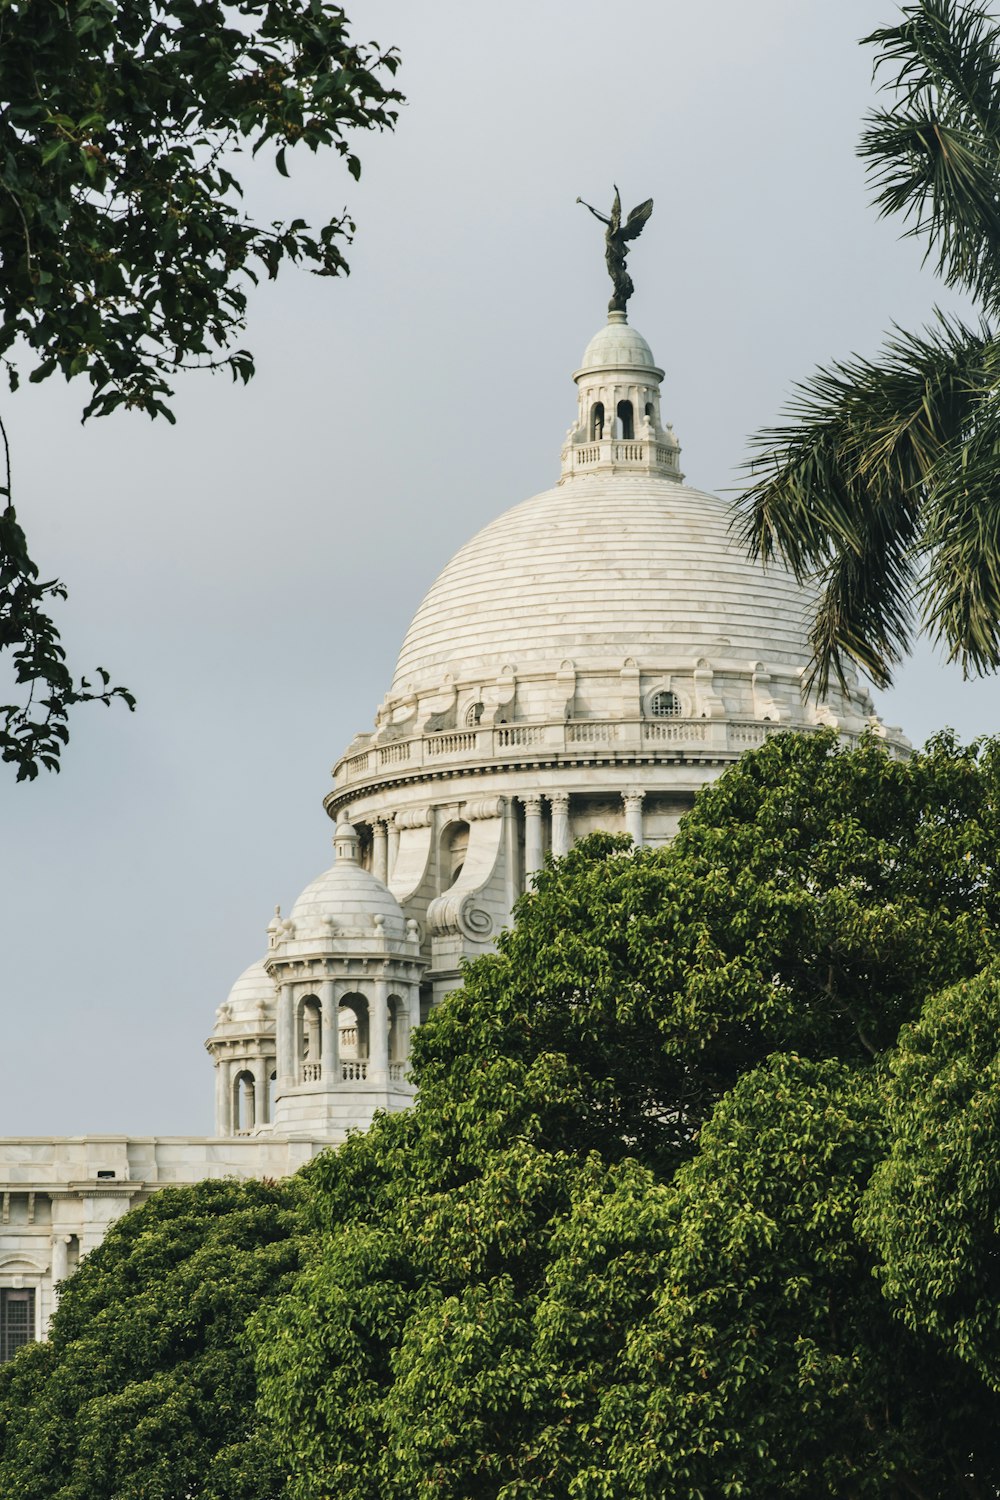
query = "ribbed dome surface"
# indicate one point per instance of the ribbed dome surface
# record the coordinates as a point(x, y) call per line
point(618, 346)
point(597, 570)
point(254, 984)
point(351, 896)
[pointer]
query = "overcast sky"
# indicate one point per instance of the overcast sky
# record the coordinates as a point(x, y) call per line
point(251, 572)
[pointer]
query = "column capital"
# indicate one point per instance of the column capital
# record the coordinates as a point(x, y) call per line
point(559, 801)
point(532, 803)
point(633, 799)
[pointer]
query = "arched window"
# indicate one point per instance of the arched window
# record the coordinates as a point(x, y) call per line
point(244, 1103)
point(626, 418)
point(473, 714)
point(454, 848)
point(664, 705)
point(597, 421)
point(311, 1039)
point(353, 1038)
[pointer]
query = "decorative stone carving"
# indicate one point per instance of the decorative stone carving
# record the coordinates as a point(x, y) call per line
point(481, 807)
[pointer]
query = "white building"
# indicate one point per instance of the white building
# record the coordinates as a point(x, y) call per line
point(589, 660)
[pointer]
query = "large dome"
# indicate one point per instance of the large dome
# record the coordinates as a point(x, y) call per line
point(596, 570)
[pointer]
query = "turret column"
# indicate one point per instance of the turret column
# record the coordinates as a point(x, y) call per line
point(533, 858)
point(380, 850)
point(633, 815)
point(560, 823)
point(378, 1034)
point(329, 1018)
point(393, 832)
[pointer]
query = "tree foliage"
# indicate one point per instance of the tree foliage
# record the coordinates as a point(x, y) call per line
point(881, 482)
point(933, 1208)
point(143, 1391)
point(612, 1250)
point(125, 251)
point(698, 1198)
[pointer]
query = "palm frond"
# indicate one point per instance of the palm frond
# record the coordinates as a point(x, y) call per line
point(960, 593)
point(934, 155)
point(840, 492)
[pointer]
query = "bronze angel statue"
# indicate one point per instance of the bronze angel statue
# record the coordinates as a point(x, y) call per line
point(616, 238)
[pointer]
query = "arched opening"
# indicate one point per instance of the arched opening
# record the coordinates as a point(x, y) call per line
point(664, 705)
point(310, 1039)
point(626, 418)
point(454, 850)
point(473, 714)
point(272, 1088)
point(353, 1032)
point(399, 1036)
point(649, 408)
point(597, 421)
point(244, 1102)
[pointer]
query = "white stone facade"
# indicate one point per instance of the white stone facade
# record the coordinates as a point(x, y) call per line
point(589, 660)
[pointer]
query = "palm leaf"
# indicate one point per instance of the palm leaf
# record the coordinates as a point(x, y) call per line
point(934, 155)
point(841, 492)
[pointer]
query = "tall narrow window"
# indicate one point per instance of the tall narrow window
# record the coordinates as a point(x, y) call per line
point(244, 1102)
point(310, 1040)
point(17, 1320)
point(597, 421)
point(626, 418)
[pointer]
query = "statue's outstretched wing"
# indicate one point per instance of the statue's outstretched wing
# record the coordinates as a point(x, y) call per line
point(632, 227)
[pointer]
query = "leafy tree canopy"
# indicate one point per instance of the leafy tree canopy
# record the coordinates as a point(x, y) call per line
point(125, 253)
point(881, 483)
point(143, 1391)
point(612, 1250)
point(933, 1208)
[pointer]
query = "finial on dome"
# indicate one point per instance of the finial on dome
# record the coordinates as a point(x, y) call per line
point(616, 236)
point(345, 842)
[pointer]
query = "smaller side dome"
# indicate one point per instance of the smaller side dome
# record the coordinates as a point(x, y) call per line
point(250, 1004)
point(618, 346)
point(347, 900)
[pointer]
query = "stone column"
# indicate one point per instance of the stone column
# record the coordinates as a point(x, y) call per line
point(393, 845)
point(633, 815)
point(285, 1036)
point(328, 1043)
point(533, 860)
point(560, 823)
point(380, 850)
point(378, 1032)
point(221, 1102)
point(60, 1258)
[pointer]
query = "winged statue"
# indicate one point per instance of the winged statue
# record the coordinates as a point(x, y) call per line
point(616, 237)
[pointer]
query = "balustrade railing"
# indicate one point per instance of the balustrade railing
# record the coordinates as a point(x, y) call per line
point(312, 1072)
point(397, 1072)
point(554, 737)
point(354, 1072)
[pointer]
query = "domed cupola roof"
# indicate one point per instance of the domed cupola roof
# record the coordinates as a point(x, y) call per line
point(345, 902)
point(617, 347)
point(250, 1005)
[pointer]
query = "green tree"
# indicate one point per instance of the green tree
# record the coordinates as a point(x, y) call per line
point(933, 1207)
point(611, 1251)
point(882, 483)
point(143, 1391)
point(125, 254)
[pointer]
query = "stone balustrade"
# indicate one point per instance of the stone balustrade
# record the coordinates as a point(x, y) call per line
point(509, 743)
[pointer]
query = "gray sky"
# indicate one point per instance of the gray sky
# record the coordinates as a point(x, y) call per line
point(250, 573)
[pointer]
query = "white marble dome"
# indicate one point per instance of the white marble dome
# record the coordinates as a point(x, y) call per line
point(250, 1003)
point(346, 900)
point(600, 569)
point(618, 346)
